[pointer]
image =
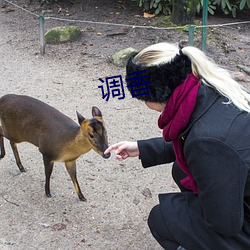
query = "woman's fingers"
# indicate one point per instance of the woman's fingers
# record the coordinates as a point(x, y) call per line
point(113, 147)
point(124, 149)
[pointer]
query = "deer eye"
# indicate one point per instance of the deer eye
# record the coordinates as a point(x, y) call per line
point(91, 136)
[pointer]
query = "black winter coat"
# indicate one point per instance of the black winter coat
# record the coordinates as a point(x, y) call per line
point(216, 145)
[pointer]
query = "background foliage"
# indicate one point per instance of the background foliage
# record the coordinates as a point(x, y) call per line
point(227, 6)
point(165, 6)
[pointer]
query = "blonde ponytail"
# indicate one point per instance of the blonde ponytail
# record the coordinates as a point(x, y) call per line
point(218, 78)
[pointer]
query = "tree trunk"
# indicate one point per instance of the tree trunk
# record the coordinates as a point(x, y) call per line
point(183, 11)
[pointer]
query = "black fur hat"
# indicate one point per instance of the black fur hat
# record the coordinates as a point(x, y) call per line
point(161, 79)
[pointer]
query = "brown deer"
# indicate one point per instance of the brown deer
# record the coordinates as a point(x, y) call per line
point(59, 139)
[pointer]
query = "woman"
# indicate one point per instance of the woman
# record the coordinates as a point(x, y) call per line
point(205, 118)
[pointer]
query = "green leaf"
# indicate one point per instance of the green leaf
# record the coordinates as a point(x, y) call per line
point(234, 12)
point(210, 11)
point(151, 4)
point(242, 4)
point(248, 4)
point(146, 5)
point(223, 4)
point(217, 2)
point(198, 7)
point(229, 5)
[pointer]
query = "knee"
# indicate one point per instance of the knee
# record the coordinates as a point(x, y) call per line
point(159, 229)
point(154, 218)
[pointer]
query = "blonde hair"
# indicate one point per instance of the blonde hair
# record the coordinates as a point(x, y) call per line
point(202, 67)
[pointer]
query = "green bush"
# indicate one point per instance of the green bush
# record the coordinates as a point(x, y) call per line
point(211, 7)
point(227, 6)
point(156, 6)
point(232, 6)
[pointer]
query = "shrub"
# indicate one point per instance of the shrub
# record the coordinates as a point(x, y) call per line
point(227, 6)
point(156, 6)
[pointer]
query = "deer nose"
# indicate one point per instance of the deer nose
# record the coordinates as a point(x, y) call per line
point(106, 156)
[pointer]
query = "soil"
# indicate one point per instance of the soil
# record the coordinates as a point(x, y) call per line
point(119, 195)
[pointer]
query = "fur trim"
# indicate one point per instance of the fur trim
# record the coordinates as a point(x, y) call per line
point(162, 78)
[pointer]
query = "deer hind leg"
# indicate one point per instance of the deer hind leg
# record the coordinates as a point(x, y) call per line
point(18, 161)
point(48, 165)
point(1, 144)
point(71, 168)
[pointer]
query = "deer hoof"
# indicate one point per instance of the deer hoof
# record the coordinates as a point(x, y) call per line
point(82, 198)
point(48, 195)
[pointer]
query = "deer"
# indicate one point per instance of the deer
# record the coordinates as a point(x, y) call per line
point(58, 138)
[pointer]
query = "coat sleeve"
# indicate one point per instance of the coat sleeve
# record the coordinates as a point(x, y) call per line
point(155, 151)
point(220, 173)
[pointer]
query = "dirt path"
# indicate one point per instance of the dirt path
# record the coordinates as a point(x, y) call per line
point(115, 214)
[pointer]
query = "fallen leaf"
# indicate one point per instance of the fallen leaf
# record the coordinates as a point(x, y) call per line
point(147, 193)
point(147, 15)
point(58, 227)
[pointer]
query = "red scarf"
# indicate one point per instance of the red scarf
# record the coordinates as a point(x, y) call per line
point(174, 119)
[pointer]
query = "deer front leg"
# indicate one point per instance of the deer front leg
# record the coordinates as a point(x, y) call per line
point(71, 168)
point(48, 165)
point(18, 161)
point(1, 144)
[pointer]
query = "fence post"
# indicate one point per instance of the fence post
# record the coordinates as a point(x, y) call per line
point(204, 24)
point(42, 31)
point(191, 35)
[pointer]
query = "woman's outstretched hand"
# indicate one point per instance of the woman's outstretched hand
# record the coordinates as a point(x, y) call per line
point(124, 150)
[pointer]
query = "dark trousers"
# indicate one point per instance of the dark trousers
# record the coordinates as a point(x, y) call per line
point(156, 221)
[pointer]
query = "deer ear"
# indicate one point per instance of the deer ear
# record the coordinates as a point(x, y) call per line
point(96, 112)
point(80, 118)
